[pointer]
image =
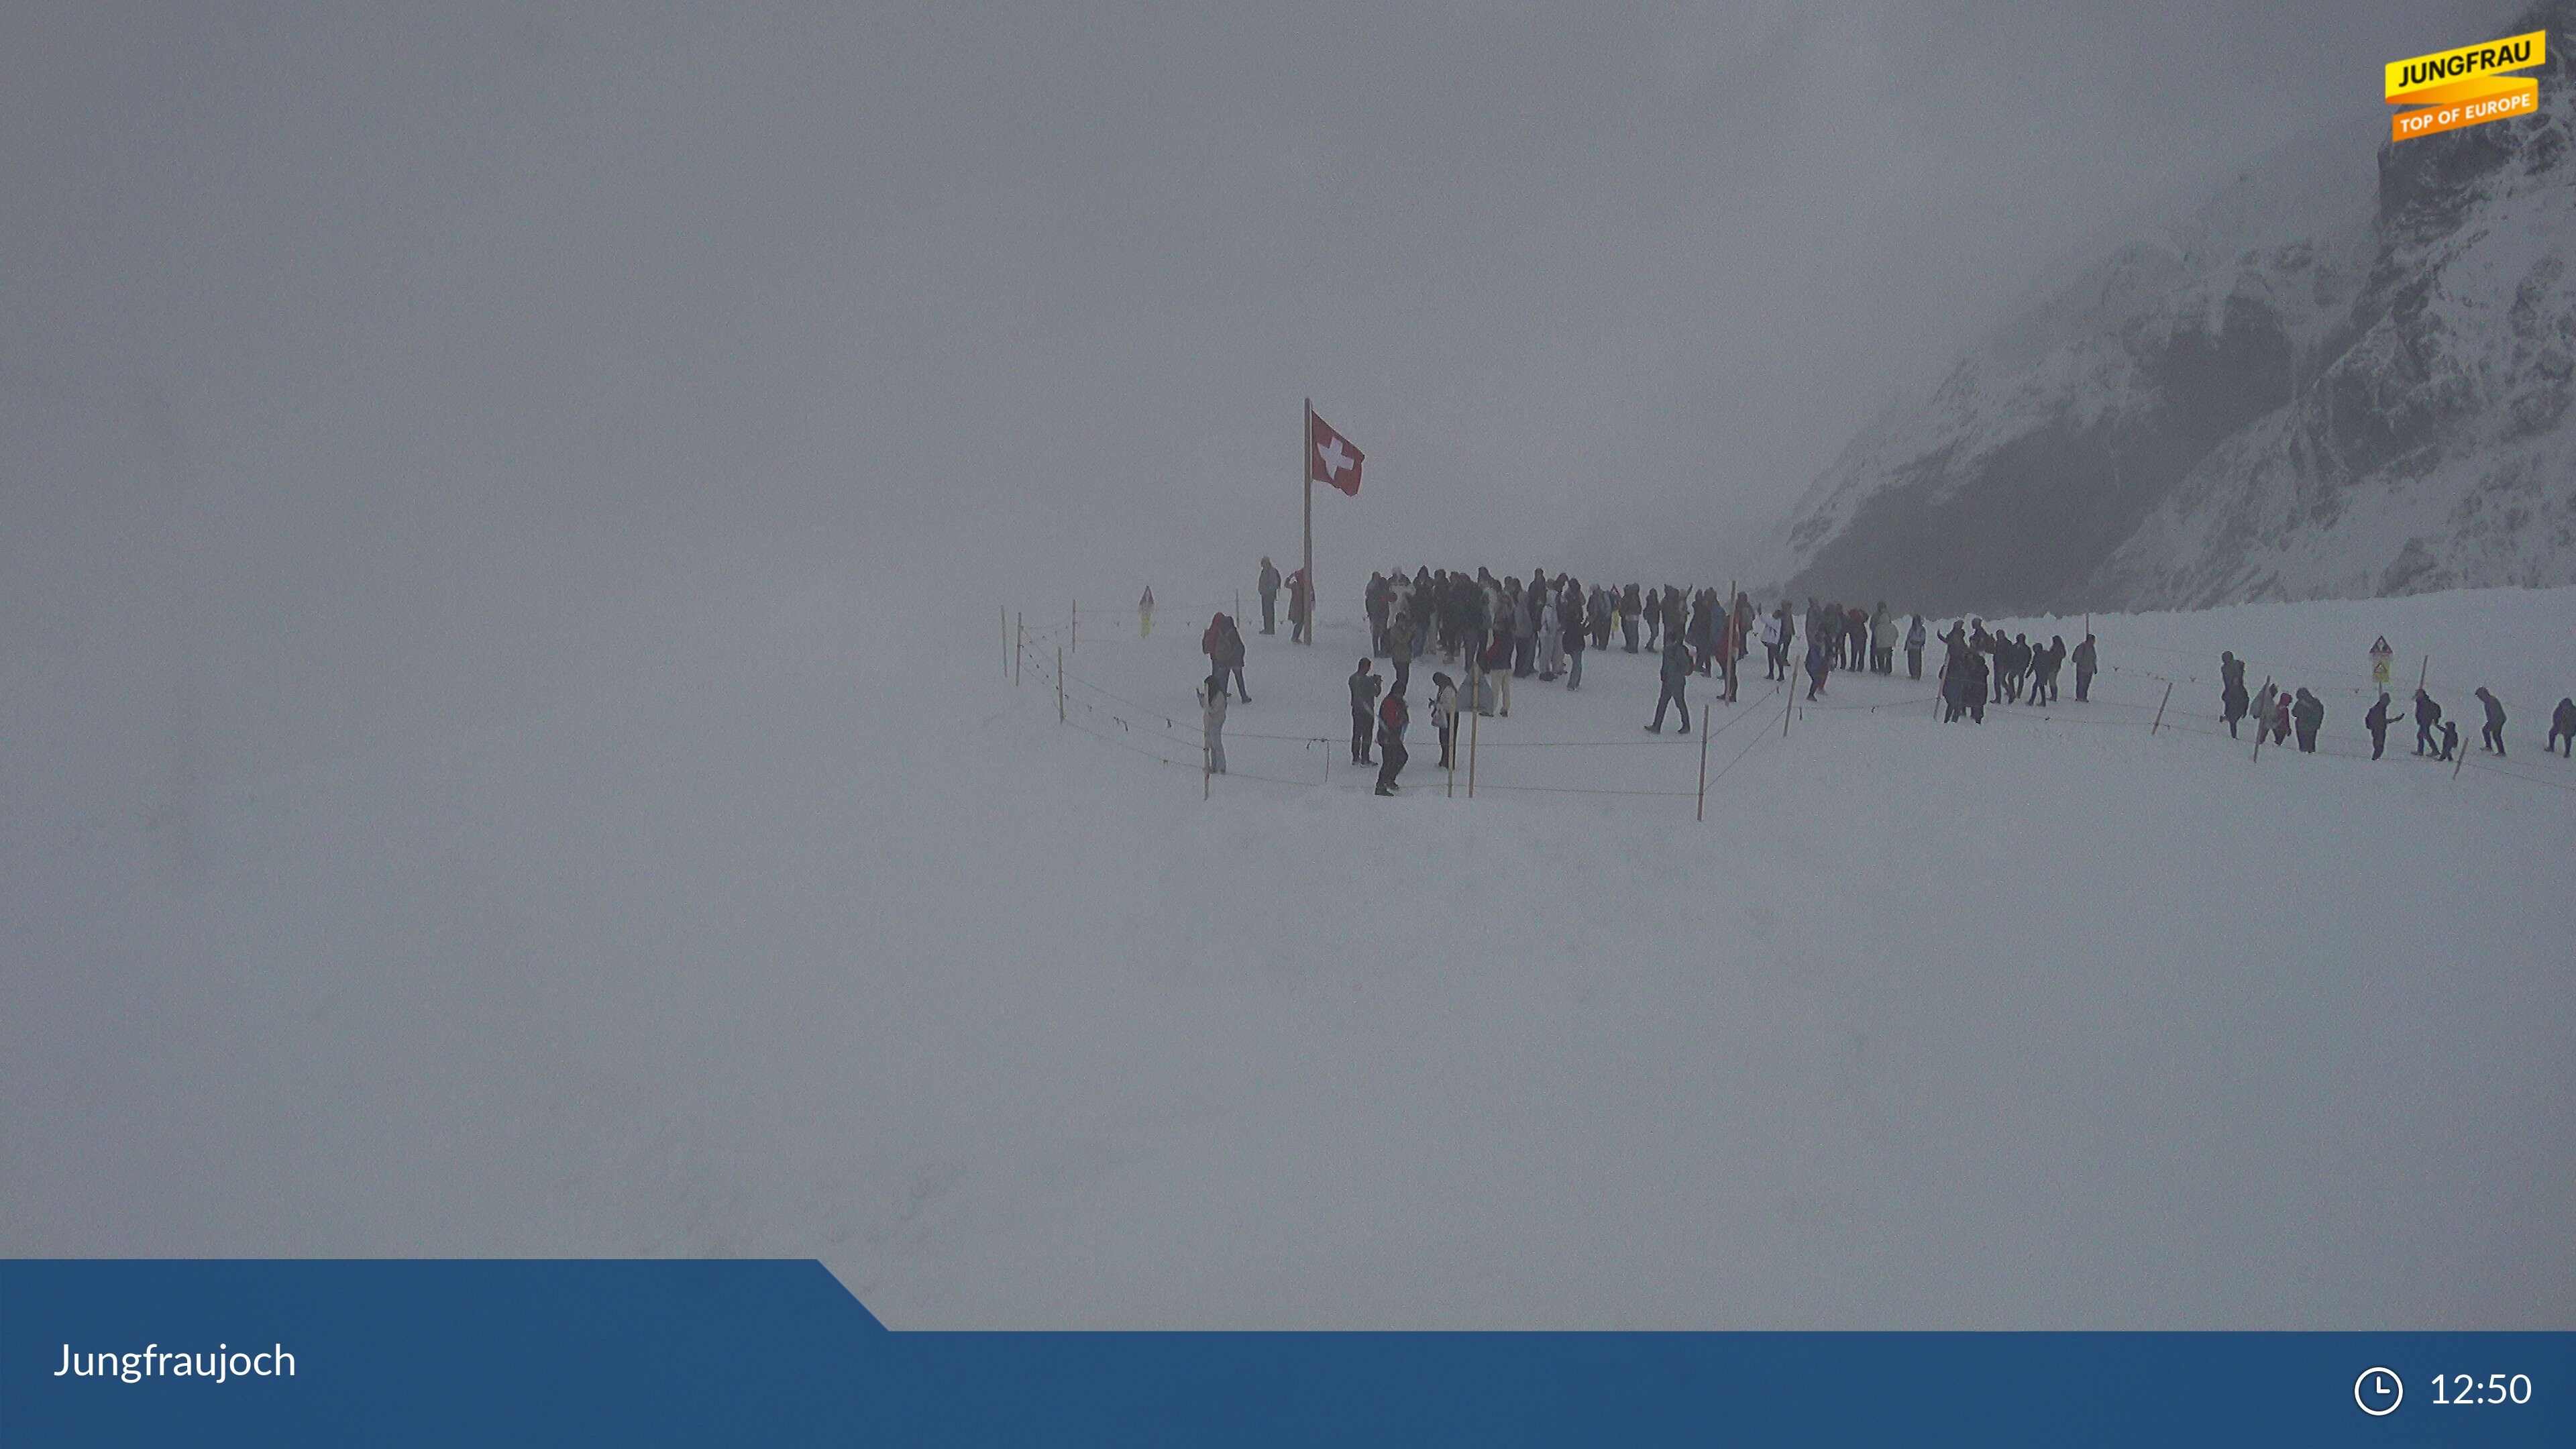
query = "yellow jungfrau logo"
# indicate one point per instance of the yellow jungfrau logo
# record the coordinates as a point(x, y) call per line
point(2465, 87)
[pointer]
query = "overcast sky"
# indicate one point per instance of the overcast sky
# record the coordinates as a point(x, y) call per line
point(391, 319)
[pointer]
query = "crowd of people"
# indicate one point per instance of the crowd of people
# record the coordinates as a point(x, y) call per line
point(1498, 630)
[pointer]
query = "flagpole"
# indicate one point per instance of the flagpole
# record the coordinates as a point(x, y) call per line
point(1306, 480)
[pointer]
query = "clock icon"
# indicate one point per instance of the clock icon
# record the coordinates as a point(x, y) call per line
point(2378, 1392)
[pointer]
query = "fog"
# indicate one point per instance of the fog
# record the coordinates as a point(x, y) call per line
point(347, 351)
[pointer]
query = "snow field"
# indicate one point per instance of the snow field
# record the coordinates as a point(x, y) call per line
point(807, 933)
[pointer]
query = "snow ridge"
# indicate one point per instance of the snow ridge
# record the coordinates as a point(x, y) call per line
point(2325, 382)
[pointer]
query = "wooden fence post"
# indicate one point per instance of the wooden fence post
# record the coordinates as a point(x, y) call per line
point(2160, 708)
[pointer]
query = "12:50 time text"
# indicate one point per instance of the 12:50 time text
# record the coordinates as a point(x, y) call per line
point(2496, 1389)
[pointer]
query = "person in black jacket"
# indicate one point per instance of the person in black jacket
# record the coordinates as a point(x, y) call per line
point(1231, 638)
point(2307, 716)
point(2562, 727)
point(2492, 737)
point(2232, 698)
point(1364, 687)
point(1630, 601)
point(2427, 715)
point(2086, 662)
point(1576, 629)
point(1269, 584)
point(2378, 721)
point(1676, 675)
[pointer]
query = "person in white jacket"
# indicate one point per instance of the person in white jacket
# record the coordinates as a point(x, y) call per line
point(1551, 641)
point(1212, 699)
point(1145, 614)
point(1444, 713)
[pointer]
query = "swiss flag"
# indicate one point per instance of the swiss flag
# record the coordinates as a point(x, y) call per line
point(1330, 458)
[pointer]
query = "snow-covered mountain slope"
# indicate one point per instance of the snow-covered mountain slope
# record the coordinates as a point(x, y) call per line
point(2335, 380)
point(782, 924)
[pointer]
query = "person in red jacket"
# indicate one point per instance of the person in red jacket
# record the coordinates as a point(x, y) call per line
point(1391, 719)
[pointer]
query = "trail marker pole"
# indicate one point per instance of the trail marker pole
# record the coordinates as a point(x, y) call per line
point(1704, 733)
point(1010, 646)
point(1019, 646)
point(1059, 684)
point(2160, 708)
point(1077, 626)
point(1790, 707)
point(1471, 752)
point(2261, 726)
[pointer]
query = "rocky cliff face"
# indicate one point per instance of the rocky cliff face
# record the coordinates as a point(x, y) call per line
point(2344, 376)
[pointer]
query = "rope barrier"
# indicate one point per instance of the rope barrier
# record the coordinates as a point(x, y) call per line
point(1141, 733)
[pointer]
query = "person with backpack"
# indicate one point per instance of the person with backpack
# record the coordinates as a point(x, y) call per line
point(2086, 662)
point(2280, 718)
point(1817, 664)
point(2263, 713)
point(1269, 596)
point(1230, 639)
point(2450, 740)
point(1212, 644)
point(1631, 600)
point(1914, 648)
point(1364, 687)
point(2231, 690)
point(2492, 737)
point(1771, 624)
point(2427, 716)
point(1675, 674)
point(1390, 741)
point(2377, 722)
point(1212, 703)
point(2562, 729)
point(1882, 640)
point(2307, 716)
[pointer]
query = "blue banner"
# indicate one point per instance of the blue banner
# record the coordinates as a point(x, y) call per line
point(453, 1352)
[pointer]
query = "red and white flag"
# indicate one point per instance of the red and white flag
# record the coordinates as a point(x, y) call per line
point(1330, 458)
